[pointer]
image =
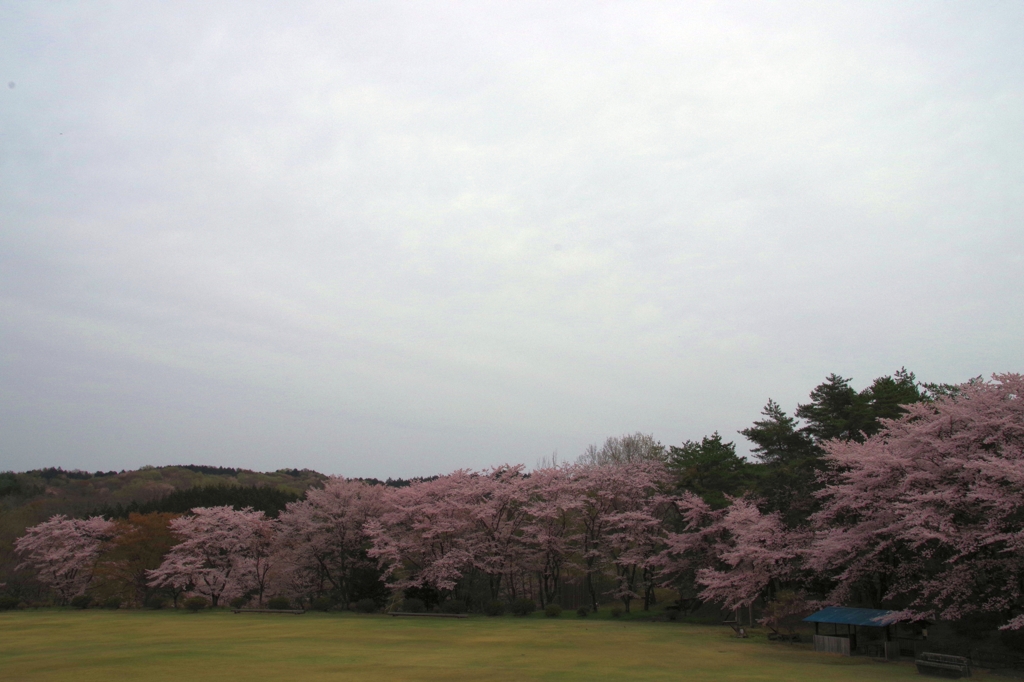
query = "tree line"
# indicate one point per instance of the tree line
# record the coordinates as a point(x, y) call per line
point(902, 496)
point(268, 499)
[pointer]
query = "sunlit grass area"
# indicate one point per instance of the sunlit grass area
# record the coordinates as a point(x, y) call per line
point(219, 645)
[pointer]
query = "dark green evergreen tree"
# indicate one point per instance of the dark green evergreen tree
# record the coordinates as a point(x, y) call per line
point(711, 469)
point(886, 395)
point(776, 438)
point(789, 463)
point(835, 411)
point(791, 455)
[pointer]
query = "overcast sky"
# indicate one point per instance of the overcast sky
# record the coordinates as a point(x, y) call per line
point(393, 239)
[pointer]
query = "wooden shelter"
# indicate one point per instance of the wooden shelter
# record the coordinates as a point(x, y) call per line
point(836, 630)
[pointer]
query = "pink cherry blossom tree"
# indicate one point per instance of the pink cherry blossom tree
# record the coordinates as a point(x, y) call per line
point(423, 538)
point(695, 531)
point(550, 532)
point(63, 552)
point(634, 538)
point(605, 492)
point(435, 533)
point(322, 541)
point(498, 500)
point(754, 553)
point(223, 553)
point(258, 557)
point(928, 511)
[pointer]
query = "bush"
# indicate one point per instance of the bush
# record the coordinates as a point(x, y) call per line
point(321, 603)
point(616, 611)
point(1012, 639)
point(495, 608)
point(8, 603)
point(428, 595)
point(453, 606)
point(672, 614)
point(523, 607)
point(583, 612)
point(82, 601)
point(112, 603)
point(413, 605)
point(195, 604)
point(155, 601)
point(279, 603)
point(238, 602)
point(366, 606)
point(552, 610)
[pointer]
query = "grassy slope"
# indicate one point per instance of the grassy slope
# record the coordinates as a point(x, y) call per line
point(156, 646)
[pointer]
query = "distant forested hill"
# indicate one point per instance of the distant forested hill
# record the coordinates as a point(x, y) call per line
point(31, 497)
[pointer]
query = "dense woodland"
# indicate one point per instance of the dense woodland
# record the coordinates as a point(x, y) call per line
point(903, 495)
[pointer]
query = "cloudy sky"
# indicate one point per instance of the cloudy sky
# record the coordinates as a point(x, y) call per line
point(392, 239)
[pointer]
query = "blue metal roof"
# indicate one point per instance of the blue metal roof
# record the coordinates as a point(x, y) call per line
point(845, 615)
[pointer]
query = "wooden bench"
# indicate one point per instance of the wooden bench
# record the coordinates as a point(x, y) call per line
point(297, 612)
point(943, 665)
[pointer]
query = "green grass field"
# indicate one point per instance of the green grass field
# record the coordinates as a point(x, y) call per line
point(218, 645)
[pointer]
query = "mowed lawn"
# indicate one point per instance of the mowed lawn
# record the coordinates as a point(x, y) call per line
point(218, 645)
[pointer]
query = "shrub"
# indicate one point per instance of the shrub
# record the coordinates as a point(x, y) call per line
point(82, 601)
point(195, 604)
point(582, 612)
point(366, 606)
point(616, 611)
point(413, 605)
point(238, 602)
point(495, 608)
point(1012, 639)
point(428, 595)
point(453, 606)
point(673, 614)
point(278, 603)
point(321, 603)
point(8, 603)
point(155, 601)
point(552, 610)
point(112, 603)
point(523, 607)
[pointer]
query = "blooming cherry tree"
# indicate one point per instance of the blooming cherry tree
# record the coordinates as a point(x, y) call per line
point(424, 537)
point(691, 547)
point(64, 552)
point(499, 513)
point(322, 538)
point(634, 538)
point(605, 493)
point(928, 511)
point(550, 532)
point(223, 553)
point(754, 552)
